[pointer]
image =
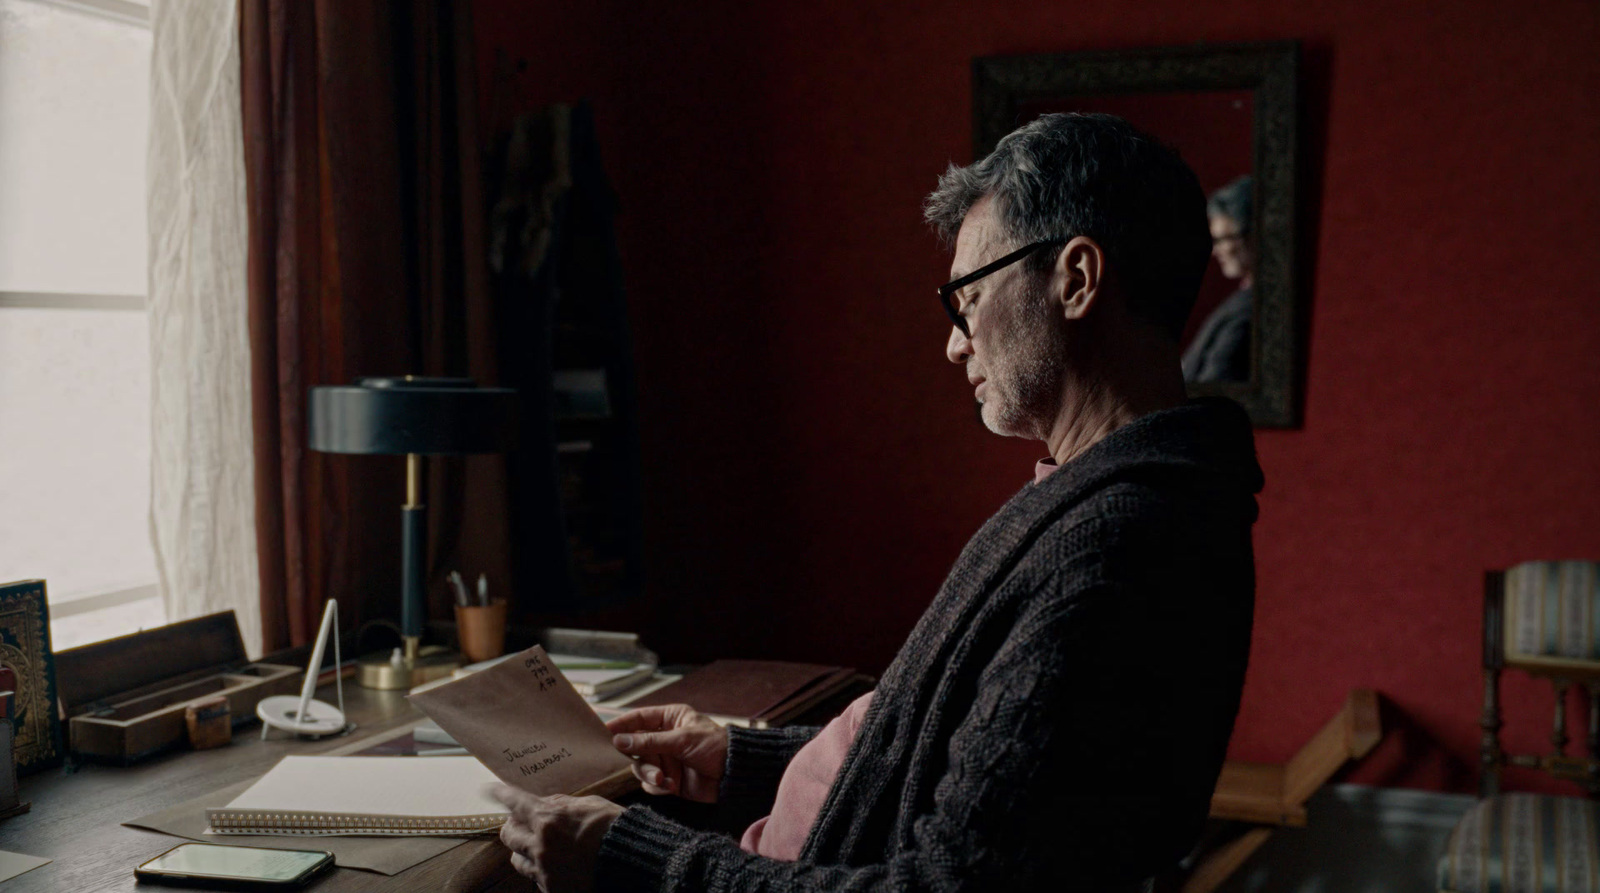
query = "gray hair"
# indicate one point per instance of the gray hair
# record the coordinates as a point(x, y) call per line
point(1235, 202)
point(1065, 175)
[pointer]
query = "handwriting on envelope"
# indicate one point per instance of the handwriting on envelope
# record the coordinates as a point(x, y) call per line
point(524, 720)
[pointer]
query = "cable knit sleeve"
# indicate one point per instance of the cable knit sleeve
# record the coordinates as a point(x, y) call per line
point(756, 762)
point(642, 837)
point(1080, 762)
point(1016, 809)
point(990, 824)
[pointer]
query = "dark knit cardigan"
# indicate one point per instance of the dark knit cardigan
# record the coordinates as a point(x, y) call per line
point(1057, 718)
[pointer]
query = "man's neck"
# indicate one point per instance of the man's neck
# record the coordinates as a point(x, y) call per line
point(1085, 419)
point(1090, 409)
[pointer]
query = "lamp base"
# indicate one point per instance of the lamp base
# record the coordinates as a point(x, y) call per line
point(381, 671)
point(283, 712)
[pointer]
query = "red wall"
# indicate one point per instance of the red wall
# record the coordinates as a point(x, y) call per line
point(812, 464)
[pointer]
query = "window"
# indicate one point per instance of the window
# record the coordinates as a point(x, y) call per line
point(74, 343)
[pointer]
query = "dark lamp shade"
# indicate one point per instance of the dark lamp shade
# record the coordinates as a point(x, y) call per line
point(440, 416)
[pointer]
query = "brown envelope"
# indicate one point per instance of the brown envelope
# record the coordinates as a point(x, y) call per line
point(526, 722)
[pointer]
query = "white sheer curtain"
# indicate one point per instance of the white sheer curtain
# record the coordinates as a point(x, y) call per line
point(202, 513)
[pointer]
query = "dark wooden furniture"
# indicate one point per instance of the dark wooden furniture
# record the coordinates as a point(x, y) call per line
point(1261, 797)
point(76, 818)
point(1538, 618)
point(125, 698)
point(1562, 674)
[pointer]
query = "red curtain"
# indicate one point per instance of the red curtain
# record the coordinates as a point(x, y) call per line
point(366, 258)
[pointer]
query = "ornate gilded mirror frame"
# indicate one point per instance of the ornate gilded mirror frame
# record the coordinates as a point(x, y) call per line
point(1004, 85)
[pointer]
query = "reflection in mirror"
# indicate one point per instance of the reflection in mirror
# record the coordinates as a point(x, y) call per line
point(1212, 130)
point(1218, 348)
point(1231, 112)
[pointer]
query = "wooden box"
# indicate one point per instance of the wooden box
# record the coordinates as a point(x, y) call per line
point(124, 698)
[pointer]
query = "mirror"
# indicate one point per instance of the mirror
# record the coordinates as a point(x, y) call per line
point(1230, 111)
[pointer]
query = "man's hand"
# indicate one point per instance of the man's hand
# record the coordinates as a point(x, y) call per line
point(555, 840)
point(680, 752)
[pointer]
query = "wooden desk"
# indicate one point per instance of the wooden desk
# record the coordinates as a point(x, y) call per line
point(76, 819)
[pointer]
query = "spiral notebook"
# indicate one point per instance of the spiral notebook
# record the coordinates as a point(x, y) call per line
point(389, 796)
point(521, 719)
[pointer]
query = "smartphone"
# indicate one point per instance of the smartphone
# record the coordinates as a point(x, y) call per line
point(234, 867)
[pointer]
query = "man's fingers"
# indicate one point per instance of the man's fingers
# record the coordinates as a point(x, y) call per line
point(647, 719)
point(525, 807)
point(529, 868)
point(652, 779)
point(560, 838)
point(510, 798)
point(522, 865)
point(517, 837)
point(672, 772)
point(637, 744)
point(647, 772)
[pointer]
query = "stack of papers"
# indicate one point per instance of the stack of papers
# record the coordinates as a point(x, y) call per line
point(595, 678)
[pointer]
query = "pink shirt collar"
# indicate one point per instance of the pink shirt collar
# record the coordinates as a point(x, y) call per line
point(1043, 469)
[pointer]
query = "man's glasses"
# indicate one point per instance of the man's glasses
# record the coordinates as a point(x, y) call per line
point(948, 290)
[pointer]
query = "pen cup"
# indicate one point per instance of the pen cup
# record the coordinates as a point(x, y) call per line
point(482, 629)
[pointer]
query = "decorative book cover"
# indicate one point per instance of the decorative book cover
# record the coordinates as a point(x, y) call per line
point(25, 650)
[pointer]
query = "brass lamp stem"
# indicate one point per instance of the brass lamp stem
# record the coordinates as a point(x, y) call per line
point(413, 480)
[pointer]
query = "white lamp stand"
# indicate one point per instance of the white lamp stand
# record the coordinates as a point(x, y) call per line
point(302, 715)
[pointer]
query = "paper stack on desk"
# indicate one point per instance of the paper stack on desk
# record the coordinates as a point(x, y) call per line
point(599, 679)
point(596, 678)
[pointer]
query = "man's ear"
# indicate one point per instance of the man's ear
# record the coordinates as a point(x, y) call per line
point(1080, 274)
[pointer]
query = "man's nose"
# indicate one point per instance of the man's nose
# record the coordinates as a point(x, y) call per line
point(958, 348)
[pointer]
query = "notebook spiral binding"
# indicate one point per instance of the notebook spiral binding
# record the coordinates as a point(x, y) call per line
point(224, 821)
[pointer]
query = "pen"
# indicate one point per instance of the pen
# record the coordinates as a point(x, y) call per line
point(443, 752)
point(460, 587)
point(483, 590)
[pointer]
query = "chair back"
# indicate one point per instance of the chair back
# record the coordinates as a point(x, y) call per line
point(1542, 618)
point(1552, 614)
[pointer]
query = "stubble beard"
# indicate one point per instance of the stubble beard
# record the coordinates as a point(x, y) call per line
point(1024, 391)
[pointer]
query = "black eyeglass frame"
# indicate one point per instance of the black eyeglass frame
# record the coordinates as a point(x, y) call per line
point(948, 290)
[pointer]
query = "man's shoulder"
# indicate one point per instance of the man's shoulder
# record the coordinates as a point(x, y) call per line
point(1139, 520)
point(1203, 444)
point(1148, 496)
point(1112, 512)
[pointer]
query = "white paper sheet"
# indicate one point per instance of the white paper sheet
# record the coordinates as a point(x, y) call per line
point(13, 864)
point(384, 786)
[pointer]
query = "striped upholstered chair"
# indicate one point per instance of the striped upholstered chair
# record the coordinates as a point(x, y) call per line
point(1541, 618)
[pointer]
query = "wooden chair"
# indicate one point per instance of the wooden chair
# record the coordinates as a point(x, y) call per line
point(1541, 618)
point(1257, 798)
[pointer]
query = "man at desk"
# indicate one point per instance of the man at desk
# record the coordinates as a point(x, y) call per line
point(1057, 718)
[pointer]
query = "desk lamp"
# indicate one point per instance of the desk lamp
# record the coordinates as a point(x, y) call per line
point(411, 416)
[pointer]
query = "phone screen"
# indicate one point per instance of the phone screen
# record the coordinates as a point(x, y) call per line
point(235, 862)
